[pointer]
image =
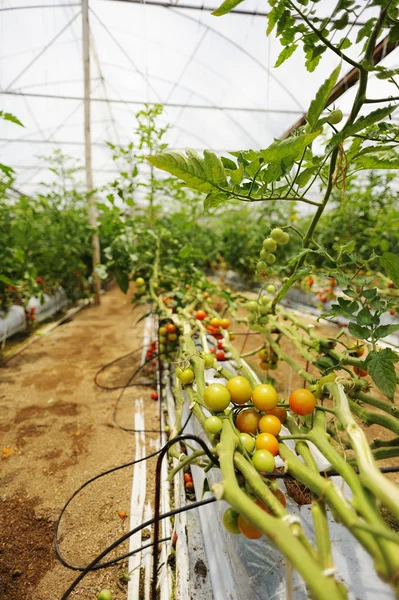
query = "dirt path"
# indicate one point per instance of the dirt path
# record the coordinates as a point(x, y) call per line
point(60, 425)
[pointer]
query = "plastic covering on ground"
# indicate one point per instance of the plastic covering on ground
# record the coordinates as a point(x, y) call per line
point(254, 569)
point(14, 320)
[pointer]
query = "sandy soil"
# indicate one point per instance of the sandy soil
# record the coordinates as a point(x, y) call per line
point(60, 425)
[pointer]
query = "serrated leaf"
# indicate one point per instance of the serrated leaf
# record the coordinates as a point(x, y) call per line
point(390, 263)
point(226, 7)
point(290, 148)
point(376, 162)
point(380, 366)
point(202, 174)
point(214, 199)
point(305, 175)
point(364, 317)
point(360, 124)
point(237, 175)
point(122, 279)
point(10, 117)
point(273, 16)
point(384, 330)
point(319, 103)
point(360, 333)
point(285, 54)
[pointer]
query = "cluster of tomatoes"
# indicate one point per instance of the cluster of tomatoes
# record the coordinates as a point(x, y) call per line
point(188, 481)
point(259, 309)
point(258, 420)
point(30, 314)
point(357, 350)
point(268, 359)
point(328, 292)
point(168, 340)
point(277, 237)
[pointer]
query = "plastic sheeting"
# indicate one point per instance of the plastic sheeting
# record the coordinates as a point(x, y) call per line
point(14, 321)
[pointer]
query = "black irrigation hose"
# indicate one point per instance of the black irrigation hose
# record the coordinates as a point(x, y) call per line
point(125, 536)
point(116, 387)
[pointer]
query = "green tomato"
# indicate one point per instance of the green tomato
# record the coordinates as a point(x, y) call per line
point(213, 425)
point(277, 235)
point(140, 282)
point(209, 360)
point(270, 288)
point(264, 309)
point(247, 441)
point(186, 376)
point(104, 595)
point(335, 117)
point(252, 306)
point(271, 259)
point(163, 339)
point(230, 521)
point(263, 320)
point(265, 300)
point(264, 254)
point(217, 397)
point(263, 461)
point(251, 317)
point(141, 290)
point(269, 244)
point(163, 356)
point(285, 239)
point(162, 348)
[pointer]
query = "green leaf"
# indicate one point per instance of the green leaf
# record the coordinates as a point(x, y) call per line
point(319, 103)
point(285, 54)
point(384, 330)
point(376, 162)
point(6, 280)
point(360, 124)
point(390, 263)
point(226, 7)
point(305, 175)
point(274, 15)
point(365, 30)
point(202, 174)
point(364, 317)
point(122, 279)
point(236, 175)
point(10, 117)
point(360, 333)
point(290, 148)
point(214, 199)
point(289, 283)
point(380, 365)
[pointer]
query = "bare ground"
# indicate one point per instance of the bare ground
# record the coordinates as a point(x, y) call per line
point(59, 423)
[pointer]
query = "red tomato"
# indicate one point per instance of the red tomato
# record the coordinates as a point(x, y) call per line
point(200, 315)
point(220, 344)
point(154, 396)
point(220, 355)
point(170, 327)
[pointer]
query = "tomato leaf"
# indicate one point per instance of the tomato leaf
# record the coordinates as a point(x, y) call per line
point(122, 279)
point(290, 148)
point(384, 330)
point(10, 117)
point(380, 366)
point(285, 54)
point(361, 333)
point(319, 103)
point(390, 263)
point(226, 7)
point(202, 174)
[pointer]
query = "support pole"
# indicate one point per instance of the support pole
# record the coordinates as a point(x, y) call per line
point(92, 209)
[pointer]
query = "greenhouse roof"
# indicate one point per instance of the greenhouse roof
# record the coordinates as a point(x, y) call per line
point(215, 77)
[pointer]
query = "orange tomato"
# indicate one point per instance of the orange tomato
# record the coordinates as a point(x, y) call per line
point(246, 527)
point(267, 441)
point(224, 323)
point(302, 401)
point(270, 424)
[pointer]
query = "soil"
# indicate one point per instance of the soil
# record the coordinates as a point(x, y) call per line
point(57, 431)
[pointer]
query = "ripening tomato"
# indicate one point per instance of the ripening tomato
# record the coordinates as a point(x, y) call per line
point(230, 521)
point(356, 350)
point(270, 424)
point(140, 282)
point(246, 527)
point(267, 441)
point(264, 397)
point(224, 323)
point(163, 331)
point(278, 412)
point(172, 337)
point(187, 477)
point(220, 355)
point(263, 354)
point(170, 327)
point(240, 389)
point(280, 496)
point(215, 322)
point(360, 372)
point(200, 315)
point(302, 401)
point(265, 366)
point(216, 397)
point(247, 421)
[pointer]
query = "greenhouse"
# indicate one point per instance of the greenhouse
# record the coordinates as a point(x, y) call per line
point(199, 305)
